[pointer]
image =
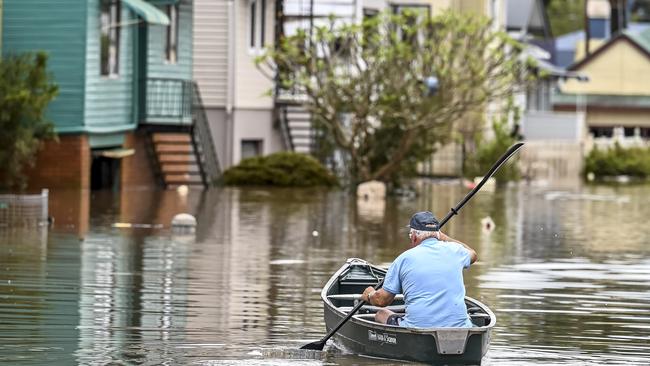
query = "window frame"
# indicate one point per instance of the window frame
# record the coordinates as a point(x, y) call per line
point(172, 34)
point(258, 147)
point(111, 67)
point(256, 26)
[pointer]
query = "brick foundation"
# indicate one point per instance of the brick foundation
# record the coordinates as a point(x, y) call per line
point(137, 170)
point(62, 165)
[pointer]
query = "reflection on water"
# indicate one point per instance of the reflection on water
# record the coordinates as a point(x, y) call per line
point(566, 272)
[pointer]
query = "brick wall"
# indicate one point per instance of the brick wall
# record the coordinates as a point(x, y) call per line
point(137, 170)
point(62, 165)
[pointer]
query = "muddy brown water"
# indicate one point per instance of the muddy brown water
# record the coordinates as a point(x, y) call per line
point(567, 272)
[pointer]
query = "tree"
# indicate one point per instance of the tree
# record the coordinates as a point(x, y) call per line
point(26, 89)
point(365, 84)
point(566, 16)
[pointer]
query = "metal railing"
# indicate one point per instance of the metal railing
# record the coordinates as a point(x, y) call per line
point(169, 99)
point(24, 209)
point(206, 153)
point(177, 102)
point(282, 121)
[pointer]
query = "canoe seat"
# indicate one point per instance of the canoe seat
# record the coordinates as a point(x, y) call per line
point(480, 319)
point(370, 309)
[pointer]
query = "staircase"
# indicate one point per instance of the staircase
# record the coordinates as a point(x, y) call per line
point(296, 127)
point(176, 158)
point(182, 151)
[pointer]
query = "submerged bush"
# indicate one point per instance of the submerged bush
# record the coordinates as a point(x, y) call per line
point(285, 169)
point(634, 162)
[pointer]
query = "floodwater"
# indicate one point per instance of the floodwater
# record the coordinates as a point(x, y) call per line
point(567, 272)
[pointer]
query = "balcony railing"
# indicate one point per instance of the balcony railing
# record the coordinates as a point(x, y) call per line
point(169, 101)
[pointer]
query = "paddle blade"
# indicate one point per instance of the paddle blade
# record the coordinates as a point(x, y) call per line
point(317, 346)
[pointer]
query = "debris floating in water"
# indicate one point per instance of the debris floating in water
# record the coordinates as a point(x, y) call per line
point(487, 224)
point(314, 233)
point(184, 223)
point(182, 190)
point(128, 225)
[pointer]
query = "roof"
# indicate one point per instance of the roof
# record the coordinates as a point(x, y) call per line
point(568, 42)
point(640, 40)
point(604, 100)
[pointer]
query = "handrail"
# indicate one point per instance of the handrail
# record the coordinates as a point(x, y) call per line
point(283, 121)
point(204, 148)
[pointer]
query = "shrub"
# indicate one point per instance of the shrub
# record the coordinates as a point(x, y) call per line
point(284, 169)
point(26, 88)
point(634, 162)
point(490, 151)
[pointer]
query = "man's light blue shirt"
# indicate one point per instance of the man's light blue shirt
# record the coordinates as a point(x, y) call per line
point(431, 278)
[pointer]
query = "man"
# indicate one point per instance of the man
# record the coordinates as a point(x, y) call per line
point(430, 275)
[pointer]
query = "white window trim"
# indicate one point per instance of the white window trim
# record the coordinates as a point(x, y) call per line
point(255, 26)
point(173, 24)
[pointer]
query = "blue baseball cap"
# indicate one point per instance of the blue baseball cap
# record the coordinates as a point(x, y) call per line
point(424, 221)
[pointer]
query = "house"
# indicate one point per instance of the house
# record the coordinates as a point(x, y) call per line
point(127, 111)
point(616, 100)
point(248, 116)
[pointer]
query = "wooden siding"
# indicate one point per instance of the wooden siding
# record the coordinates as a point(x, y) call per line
point(622, 69)
point(58, 28)
point(109, 100)
point(211, 50)
point(158, 65)
point(251, 86)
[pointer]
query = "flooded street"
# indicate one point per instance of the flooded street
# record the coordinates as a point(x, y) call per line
point(566, 271)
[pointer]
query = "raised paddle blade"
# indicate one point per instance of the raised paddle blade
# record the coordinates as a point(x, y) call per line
point(317, 346)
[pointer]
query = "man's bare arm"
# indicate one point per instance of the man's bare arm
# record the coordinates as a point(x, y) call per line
point(472, 253)
point(379, 297)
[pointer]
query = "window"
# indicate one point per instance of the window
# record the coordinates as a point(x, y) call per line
point(602, 131)
point(628, 131)
point(644, 132)
point(171, 42)
point(257, 26)
point(414, 14)
point(251, 148)
point(109, 41)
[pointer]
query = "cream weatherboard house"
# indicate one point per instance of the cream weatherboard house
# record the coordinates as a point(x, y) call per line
point(246, 119)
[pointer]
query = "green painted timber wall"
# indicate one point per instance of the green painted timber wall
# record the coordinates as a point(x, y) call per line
point(109, 99)
point(59, 28)
point(158, 66)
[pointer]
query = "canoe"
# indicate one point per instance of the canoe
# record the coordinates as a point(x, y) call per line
point(362, 335)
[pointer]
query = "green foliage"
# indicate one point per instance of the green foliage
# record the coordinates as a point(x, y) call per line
point(490, 150)
point(566, 16)
point(634, 162)
point(285, 169)
point(364, 84)
point(26, 88)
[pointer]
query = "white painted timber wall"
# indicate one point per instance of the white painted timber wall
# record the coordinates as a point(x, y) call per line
point(211, 50)
point(251, 86)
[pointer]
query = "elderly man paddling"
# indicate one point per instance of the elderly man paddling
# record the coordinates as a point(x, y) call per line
point(430, 275)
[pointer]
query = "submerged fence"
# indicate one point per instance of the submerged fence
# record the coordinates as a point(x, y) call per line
point(24, 209)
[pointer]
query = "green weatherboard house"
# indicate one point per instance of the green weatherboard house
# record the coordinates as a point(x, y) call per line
point(127, 112)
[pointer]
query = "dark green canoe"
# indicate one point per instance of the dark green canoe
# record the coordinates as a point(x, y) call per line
point(362, 335)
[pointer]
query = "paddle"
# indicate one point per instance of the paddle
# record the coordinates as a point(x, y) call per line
point(318, 345)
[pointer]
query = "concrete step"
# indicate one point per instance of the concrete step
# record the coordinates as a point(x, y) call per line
point(183, 179)
point(175, 159)
point(299, 124)
point(174, 149)
point(172, 138)
point(180, 168)
point(302, 149)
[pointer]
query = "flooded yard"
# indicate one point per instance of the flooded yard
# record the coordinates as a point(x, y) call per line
point(566, 271)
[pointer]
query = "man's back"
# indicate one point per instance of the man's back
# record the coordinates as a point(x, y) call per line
point(431, 278)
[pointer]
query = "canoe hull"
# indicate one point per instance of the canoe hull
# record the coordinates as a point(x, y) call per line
point(361, 335)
